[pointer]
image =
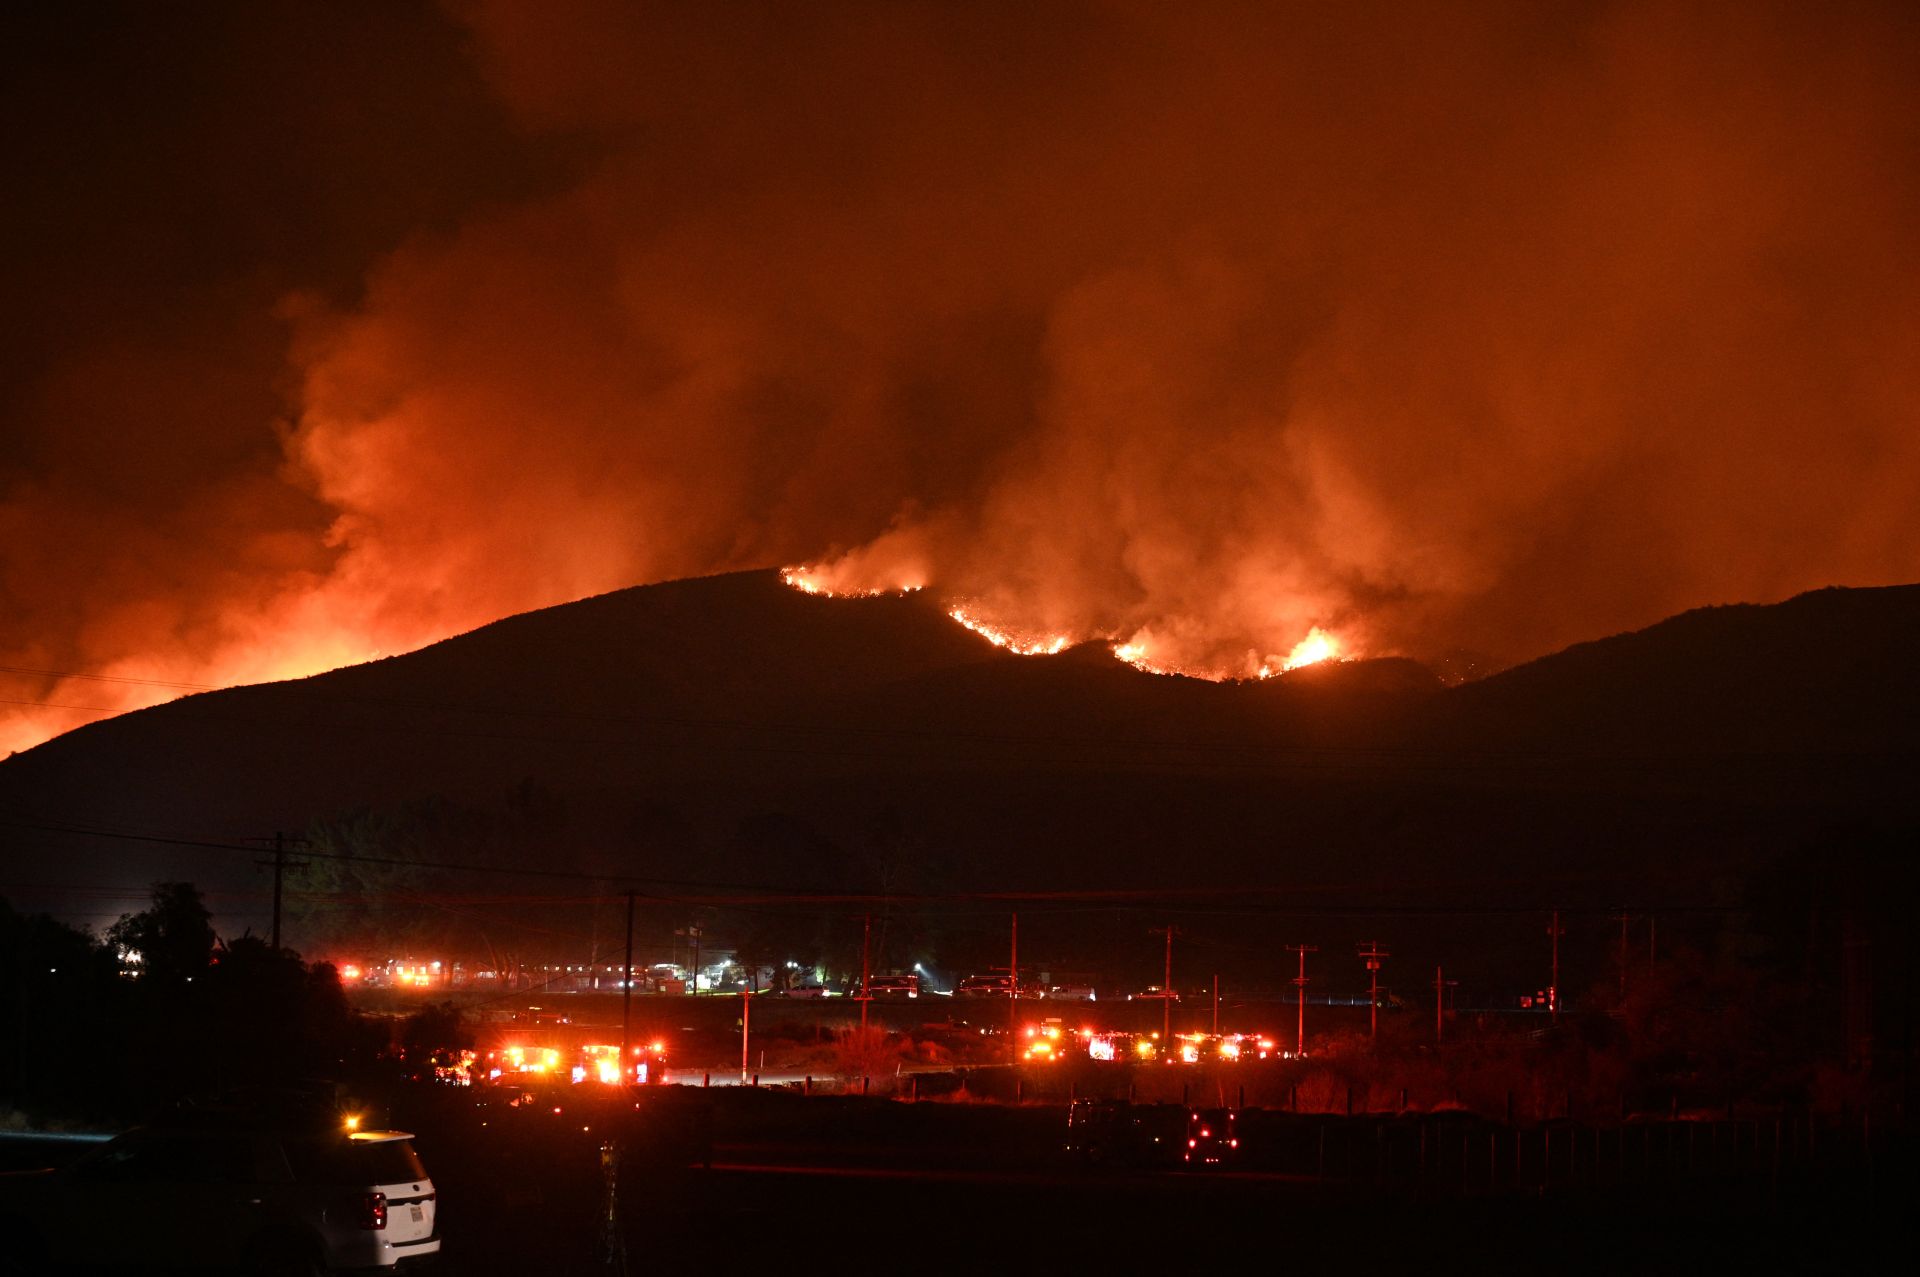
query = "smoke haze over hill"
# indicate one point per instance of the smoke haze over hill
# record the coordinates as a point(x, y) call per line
point(1496, 326)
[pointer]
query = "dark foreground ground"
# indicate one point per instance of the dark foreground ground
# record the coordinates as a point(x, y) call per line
point(745, 1181)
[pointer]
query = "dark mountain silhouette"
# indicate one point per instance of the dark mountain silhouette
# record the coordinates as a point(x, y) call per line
point(730, 729)
point(1831, 672)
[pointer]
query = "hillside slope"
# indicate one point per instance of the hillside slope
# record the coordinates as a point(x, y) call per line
point(733, 728)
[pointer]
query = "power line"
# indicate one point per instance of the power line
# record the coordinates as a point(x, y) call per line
point(740, 894)
point(108, 678)
point(91, 709)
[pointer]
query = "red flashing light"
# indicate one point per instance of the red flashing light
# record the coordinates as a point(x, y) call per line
point(373, 1211)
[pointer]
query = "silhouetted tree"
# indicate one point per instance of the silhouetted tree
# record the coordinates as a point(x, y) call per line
point(173, 937)
point(435, 1035)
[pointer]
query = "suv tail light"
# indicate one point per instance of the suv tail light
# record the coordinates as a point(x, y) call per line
point(373, 1211)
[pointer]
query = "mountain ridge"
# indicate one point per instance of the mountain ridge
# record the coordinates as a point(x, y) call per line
point(712, 706)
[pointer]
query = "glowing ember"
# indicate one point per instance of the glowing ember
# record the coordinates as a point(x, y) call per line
point(1002, 638)
point(812, 581)
point(1317, 646)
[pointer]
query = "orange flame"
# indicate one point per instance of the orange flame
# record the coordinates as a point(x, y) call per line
point(1134, 652)
point(993, 634)
point(1143, 650)
point(809, 580)
point(1317, 646)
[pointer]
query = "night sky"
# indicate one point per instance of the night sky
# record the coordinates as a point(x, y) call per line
point(334, 329)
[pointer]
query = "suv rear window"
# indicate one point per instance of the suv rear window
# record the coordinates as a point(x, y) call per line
point(354, 1163)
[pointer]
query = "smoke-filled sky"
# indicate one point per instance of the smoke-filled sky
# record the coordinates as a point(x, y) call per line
point(333, 329)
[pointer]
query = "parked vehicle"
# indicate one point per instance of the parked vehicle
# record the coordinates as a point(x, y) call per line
point(893, 986)
point(984, 986)
point(213, 1191)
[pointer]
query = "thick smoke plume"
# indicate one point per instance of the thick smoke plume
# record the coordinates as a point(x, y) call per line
point(1197, 327)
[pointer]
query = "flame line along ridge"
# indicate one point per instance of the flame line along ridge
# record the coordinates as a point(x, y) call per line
point(808, 580)
point(1317, 646)
point(1049, 646)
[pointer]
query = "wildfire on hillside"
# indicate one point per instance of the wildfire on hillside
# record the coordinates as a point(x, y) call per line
point(993, 634)
point(1025, 327)
point(809, 580)
point(1318, 645)
point(1134, 653)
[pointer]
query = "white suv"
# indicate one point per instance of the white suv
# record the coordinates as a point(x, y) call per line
point(203, 1193)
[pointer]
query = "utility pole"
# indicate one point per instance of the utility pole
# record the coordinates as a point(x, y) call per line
point(1216, 1004)
point(746, 1024)
point(1623, 918)
point(280, 867)
point(1553, 987)
point(1440, 986)
point(692, 932)
point(279, 872)
point(1166, 992)
point(626, 1002)
point(1374, 956)
point(866, 939)
point(1300, 997)
point(1013, 992)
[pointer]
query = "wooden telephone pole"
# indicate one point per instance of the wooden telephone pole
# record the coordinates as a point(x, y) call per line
point(1623, 918)
point(1440, 986)
point(866, 943)
point(1374, 957)
point(626, 1001)
point(1555, 930)
point(1013, 992)
point(1166, 990)
point(280, 842)
point(1300, 997)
